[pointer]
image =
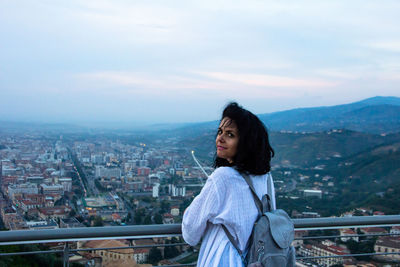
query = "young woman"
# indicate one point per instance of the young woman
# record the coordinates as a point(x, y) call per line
point(242, 146)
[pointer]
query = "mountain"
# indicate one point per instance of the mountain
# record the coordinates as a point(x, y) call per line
point(370, 178)
point(11, 126)
point(310, 149)
point(301, 149)
point(356, 147)
point(373, 115)
point(364, 167)
point(380, 100)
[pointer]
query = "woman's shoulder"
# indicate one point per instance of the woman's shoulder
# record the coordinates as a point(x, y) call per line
point(224, 172)
point(223, 175)
point(230, 172)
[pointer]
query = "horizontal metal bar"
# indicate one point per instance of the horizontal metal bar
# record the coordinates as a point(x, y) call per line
point(147, 231)
point(89, 233)
point(133, 247)
point(91, 249)
point(297, 258)
point(178, 265)
point(342, 222)
point(31, 252)
point(345, 226)
point(348, 255)
point(341, 236)
point(86, 239)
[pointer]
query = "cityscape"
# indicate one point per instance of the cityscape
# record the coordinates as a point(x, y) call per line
point(51, 180)
point(109, 115)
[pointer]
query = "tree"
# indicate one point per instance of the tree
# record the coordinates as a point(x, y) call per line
point(154, 255)
point(138, 218)
point(170, 252)
point(358, 213)
point(60, 202)
point(139, 214)
point(185, 204)
point(366, 246)
point(72, 213)
point(98, 221)
point(158, 218)
point(147, 220)
point(146, 199)
point(165, 206)
point(99, 186)
point(128, 217)
point(80, 218)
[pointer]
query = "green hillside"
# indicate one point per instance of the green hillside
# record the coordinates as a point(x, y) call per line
point(373, 176)
point(301, 149)
point(373, 115)
point(365, 168)
point(308, 149)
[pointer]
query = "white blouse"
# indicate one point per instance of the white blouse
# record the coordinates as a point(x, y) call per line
point(225, 199)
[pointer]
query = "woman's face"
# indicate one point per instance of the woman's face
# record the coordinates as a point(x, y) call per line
point(227, 139)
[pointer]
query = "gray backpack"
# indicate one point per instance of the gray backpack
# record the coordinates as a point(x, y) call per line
point(270, 241)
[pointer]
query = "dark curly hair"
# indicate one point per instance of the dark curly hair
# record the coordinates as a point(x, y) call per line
point(254, 151)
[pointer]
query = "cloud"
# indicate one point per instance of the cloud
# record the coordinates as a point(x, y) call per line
point(117, 15)
point(261, 80)
point(389, 46)
point(337, 74)
point(146, 53)
point(198, 83)
point(147, 84)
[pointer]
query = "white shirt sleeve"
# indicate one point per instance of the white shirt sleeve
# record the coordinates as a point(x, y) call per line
point(204, 207)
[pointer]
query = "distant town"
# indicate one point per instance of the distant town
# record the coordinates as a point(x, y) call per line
point(50, 182)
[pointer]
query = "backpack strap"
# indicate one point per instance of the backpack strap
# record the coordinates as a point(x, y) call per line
point(253, 193)
point(259, 206)
point(235, 244)
point(232, 239)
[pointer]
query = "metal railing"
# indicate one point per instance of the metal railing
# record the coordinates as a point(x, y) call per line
point(67, 235)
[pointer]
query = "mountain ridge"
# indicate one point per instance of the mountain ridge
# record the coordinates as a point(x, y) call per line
point(375, 115)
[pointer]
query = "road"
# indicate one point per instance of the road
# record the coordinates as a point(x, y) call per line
point(91, 184)
point(130, 209)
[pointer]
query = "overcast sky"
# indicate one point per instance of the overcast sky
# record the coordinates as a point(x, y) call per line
point(182, 61)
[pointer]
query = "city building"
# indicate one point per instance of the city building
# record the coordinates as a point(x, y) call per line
point(312, 193)
point(27, 188)
point(66, 182)
point(102, 171)
point(326, 248)
point(348, 234)
point(59, 212)
point(156, 190)
point(52, 189)
point(388, 244)
point(116, 257)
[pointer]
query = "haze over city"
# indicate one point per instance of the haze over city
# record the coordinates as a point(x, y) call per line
point(122, 61)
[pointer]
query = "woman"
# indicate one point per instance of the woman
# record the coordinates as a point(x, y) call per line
point(242, 145)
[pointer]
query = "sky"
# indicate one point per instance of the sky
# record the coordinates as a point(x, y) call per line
point(127, 61)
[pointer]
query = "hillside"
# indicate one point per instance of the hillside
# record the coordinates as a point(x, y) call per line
point(365, 168)
point(373, 170)
point(301, 149)
point(373, 115)
point(371, 179)
point(304, 150)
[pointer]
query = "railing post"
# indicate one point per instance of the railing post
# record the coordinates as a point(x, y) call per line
point(66, 255)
